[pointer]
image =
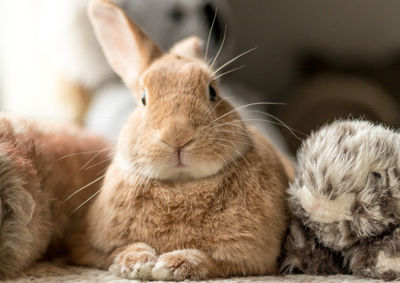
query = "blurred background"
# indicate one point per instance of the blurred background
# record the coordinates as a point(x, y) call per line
point(322, 59)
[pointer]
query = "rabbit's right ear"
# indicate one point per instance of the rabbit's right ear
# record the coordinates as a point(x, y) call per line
point(128, 49)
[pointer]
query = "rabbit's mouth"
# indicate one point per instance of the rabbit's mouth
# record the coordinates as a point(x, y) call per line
point(180, 165)
point(179, 153)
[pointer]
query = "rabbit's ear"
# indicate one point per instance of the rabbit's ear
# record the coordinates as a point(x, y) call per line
point(191, 47)
point(128, 49)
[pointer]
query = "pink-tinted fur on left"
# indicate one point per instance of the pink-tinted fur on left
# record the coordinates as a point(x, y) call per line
point(41, 165)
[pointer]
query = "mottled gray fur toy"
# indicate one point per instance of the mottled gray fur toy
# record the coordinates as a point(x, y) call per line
point(345, 203)
point(304, 254)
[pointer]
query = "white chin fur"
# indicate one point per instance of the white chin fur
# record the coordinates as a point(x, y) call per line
point(196, 170)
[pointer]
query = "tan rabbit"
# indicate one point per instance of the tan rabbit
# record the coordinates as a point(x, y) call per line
point(191, 192)
point(41, 165)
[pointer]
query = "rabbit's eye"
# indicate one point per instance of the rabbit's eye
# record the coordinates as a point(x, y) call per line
point(144, 98)
point(213, 93)
point(376, 175)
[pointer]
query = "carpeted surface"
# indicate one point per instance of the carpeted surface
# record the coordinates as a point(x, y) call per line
point(52, 272)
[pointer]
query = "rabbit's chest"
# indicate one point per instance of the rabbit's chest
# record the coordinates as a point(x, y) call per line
point(173, 220)
point(171, 228)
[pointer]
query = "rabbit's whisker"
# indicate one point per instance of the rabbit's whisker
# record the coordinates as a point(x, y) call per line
point(234, 132)
point(246, 105)
point(248, 163)
point(234, 169)
point(82, 204)
point(220, 48)
point(143, 180)
point(233, 60)
point(98, 163)
point(279, 122)
point(234, 123)
point(209, 33)
point(257, 145)
point(102, 171)
point(232, 147)
point(231, 126)
point(225, 146)
point(81, 153)
point(226, 161)
point(84, 187)
point(93, 158)
point(241, 142)
point(274, 117)
point(216, 105)
point(228, 72)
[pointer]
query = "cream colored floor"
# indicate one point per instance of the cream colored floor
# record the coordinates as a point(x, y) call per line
point(50, 272)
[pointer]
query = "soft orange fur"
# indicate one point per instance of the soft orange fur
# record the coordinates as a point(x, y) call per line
point(39, 169)
point(216, 209)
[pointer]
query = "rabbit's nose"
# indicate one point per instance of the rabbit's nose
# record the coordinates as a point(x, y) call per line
point(176, 142)
point(178, 136)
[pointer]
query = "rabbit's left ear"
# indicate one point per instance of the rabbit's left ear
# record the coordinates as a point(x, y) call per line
point(128, 48)
point(191, 47)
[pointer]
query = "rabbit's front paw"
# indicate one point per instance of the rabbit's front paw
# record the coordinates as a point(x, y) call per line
point(135, 262)
point(183, 264)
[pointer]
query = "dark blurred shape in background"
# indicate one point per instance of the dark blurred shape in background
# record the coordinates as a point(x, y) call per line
point(330, 89)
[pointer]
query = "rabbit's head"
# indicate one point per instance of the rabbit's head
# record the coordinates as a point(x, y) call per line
point(347, 186)
point(182, 129)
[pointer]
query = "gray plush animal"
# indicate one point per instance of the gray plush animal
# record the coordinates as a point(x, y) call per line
point(345, 203)
point(304, 254)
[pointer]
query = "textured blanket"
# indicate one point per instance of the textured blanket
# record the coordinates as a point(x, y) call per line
point(53, 272)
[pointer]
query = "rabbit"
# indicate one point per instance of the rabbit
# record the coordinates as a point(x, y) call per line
point(346, 195)
point(41, 166)
point(192, 192)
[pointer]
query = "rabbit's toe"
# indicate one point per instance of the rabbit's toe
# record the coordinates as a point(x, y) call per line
point(182, 264)
point(135, 263)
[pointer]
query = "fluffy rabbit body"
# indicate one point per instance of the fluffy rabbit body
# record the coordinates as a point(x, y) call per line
point(39, 169)
point(192, 192)
point(346, 199)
